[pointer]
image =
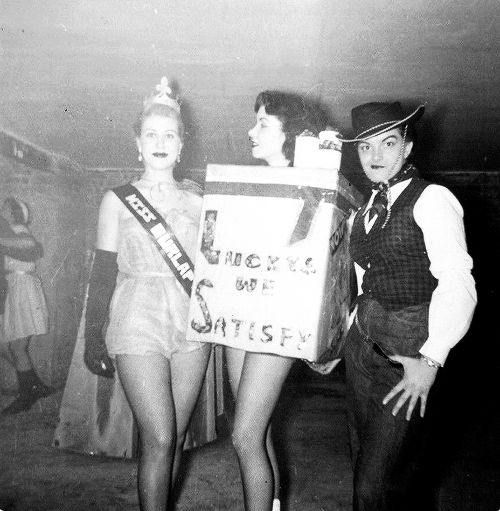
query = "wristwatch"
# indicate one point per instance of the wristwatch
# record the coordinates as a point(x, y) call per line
point(430, 362)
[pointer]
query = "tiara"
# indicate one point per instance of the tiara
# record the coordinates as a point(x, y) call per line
point(163, 96)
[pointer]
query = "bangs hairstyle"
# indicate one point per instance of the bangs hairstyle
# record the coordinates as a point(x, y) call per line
point(160, 110)
point(295, 113)
point(20, 216)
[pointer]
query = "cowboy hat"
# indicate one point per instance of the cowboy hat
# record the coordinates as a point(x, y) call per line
point(371, 119)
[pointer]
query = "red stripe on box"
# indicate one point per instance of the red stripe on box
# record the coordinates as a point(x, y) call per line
point(280, 191)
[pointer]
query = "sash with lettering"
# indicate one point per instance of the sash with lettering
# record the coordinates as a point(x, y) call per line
point(160, 232)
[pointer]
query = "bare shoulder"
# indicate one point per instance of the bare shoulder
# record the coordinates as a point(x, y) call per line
point(110, 199)
point(188, 185)
point(110, 204)
point(193, 194)
point(109, 216)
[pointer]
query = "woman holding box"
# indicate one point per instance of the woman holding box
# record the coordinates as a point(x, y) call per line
point(257, 378)
point(415, 302)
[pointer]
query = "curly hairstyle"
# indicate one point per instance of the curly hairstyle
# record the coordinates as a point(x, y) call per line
point(295, 113)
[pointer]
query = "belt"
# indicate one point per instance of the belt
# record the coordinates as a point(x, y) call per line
point(368, 340)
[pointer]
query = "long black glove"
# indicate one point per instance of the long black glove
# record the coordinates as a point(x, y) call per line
point(101, 286)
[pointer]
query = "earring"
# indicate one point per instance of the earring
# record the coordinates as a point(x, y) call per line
point(139, 157)
point(178, 157)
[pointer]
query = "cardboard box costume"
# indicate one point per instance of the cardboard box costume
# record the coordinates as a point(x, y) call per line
point(272, 263)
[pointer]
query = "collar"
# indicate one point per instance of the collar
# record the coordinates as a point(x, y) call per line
point(396, 190)
point(407, 171)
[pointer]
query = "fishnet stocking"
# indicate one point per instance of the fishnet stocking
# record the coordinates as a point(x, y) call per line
point(262, 378)
point(162, 395)
point(235, 359)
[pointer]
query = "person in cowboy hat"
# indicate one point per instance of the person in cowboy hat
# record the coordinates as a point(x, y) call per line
point(416, 298)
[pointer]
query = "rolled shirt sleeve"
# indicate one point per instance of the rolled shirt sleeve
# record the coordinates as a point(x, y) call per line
point(440, 216)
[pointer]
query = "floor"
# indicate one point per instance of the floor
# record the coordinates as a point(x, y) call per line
point(311, 435)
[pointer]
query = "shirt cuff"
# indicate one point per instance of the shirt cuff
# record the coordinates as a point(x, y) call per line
point(436, 352)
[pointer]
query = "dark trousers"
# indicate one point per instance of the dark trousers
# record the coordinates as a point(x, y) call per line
point(385, 450)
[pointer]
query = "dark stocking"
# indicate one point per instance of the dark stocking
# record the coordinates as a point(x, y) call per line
point(188, 373)
point(19, 350)
point(31, 388)
point(147, 384)
point(235, 359)
point(162, 395)
point(262, 378)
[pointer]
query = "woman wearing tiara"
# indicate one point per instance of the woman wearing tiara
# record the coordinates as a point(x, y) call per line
point(257, 378)
point(160, 371)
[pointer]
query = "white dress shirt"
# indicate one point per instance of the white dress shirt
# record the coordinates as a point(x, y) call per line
point(440, 216)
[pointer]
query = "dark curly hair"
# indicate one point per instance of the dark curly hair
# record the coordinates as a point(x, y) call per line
point(295, 113)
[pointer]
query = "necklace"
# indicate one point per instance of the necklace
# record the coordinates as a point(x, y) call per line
point(159, 189)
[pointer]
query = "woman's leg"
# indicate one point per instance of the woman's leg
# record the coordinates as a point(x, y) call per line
point(235, 359)
point(261, 380)
point(20, 355)
point(31, 388)
point(146, 380)
point(385, 449)
point(188, 373)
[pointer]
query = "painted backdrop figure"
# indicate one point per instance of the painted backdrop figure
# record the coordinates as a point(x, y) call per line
point(257, 378)
point(416, 301)
point(25, 309)
point(160, 371)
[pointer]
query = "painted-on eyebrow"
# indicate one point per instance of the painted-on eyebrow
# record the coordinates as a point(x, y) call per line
point(367, 142)
point(269, 121)
point(383, 140)
point(390, 136)
point(159, 131)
